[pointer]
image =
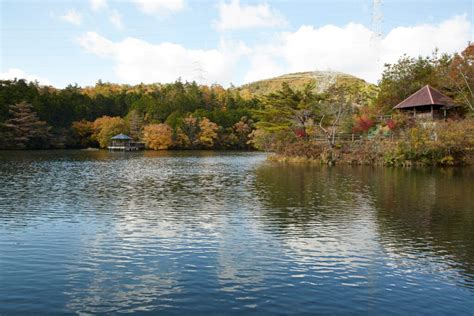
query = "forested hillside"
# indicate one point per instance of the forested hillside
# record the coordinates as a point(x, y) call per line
point(181, 114)
point(68, 111)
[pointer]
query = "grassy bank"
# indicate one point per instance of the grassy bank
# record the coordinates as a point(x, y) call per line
point(441, 144)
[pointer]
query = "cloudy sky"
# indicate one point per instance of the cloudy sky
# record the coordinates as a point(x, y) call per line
point(223, 41)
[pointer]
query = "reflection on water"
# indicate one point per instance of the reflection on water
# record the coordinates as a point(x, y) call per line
point(207, 232)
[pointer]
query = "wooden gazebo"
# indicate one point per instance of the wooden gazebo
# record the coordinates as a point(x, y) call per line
point(427, 103)
point(123, 142)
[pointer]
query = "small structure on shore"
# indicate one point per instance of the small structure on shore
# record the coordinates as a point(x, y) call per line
point(427, 103)
point(123, 142)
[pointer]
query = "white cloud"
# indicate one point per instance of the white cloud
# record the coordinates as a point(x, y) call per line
point(353, 48)
point(96, 44)
point(116, 19)
point(264, 64)
point(73, 17)
point(449, 36)
point(139, 61)
point(350, 49)
point(233, 16)
point(13, 73)
point(152, 7)
point(97, 5)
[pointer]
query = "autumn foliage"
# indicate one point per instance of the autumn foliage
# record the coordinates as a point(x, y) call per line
point(158, 136)
point(362, 124)
point(106, 127)
point(207, 133)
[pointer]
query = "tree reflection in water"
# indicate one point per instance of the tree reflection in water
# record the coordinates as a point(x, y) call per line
point(424, 214)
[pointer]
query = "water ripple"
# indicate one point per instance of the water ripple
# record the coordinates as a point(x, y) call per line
point(223, 233)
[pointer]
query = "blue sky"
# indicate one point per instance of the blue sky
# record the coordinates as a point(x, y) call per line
point(228, 41)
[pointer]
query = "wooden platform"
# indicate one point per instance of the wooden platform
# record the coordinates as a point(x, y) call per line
point(127, 147)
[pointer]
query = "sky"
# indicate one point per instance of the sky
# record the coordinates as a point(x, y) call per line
point(223, 41)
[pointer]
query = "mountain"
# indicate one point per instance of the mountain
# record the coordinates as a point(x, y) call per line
point(321, 80)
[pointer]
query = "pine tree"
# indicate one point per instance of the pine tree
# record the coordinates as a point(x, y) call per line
point(24, 129)
point(136, 123)
point(287, 108)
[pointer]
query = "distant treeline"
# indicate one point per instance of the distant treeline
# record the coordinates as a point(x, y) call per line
point(65, 112)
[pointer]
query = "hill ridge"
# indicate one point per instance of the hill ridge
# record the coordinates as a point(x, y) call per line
point(321, 79)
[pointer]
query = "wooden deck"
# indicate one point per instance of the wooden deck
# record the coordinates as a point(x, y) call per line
point(126, 147)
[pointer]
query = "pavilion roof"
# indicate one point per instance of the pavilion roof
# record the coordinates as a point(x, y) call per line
point(121, 137)
point(426, 96)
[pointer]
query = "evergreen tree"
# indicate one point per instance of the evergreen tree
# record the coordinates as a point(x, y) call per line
point(288, 108)
point(26, 130)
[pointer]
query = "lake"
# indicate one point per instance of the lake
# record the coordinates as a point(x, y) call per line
point(93, 232)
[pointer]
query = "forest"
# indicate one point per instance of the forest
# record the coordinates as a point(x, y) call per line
point(186, 115)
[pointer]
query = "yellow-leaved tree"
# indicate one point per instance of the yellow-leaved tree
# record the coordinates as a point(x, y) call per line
point(207, 133)
point(158, 136)
point(106, 127)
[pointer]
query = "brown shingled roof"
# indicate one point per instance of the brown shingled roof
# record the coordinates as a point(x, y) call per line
point(426, 96)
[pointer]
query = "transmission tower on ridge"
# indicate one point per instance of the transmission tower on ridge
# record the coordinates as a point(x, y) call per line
point(377, 30)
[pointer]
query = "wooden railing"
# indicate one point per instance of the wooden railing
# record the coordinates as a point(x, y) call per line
point(382, 118)
point(351, 137)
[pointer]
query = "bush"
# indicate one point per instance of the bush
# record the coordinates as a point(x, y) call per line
point(362, 124)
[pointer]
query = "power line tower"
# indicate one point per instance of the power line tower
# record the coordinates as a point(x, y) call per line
point(377, 30)
point(199, 72)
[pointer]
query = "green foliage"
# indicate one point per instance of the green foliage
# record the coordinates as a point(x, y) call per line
point(287, 109)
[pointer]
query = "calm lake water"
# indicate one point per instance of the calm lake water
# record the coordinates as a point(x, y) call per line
point(221, 233)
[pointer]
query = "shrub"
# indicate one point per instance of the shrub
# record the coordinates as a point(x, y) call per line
point(362, 124)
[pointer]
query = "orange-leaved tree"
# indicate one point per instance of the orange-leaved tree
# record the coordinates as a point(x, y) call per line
point(158, 136)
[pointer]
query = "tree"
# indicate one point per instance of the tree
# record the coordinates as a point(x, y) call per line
point(242, 130)
point(337, 106)
point(408, 75)
point(25, 129)
point(461, 73)
point(136, 123)
point(188, 132)
point(83, 131)
point(287, 108)
point(207, 133)
point(140, 105)
point(158, 136)
point(106, 127)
